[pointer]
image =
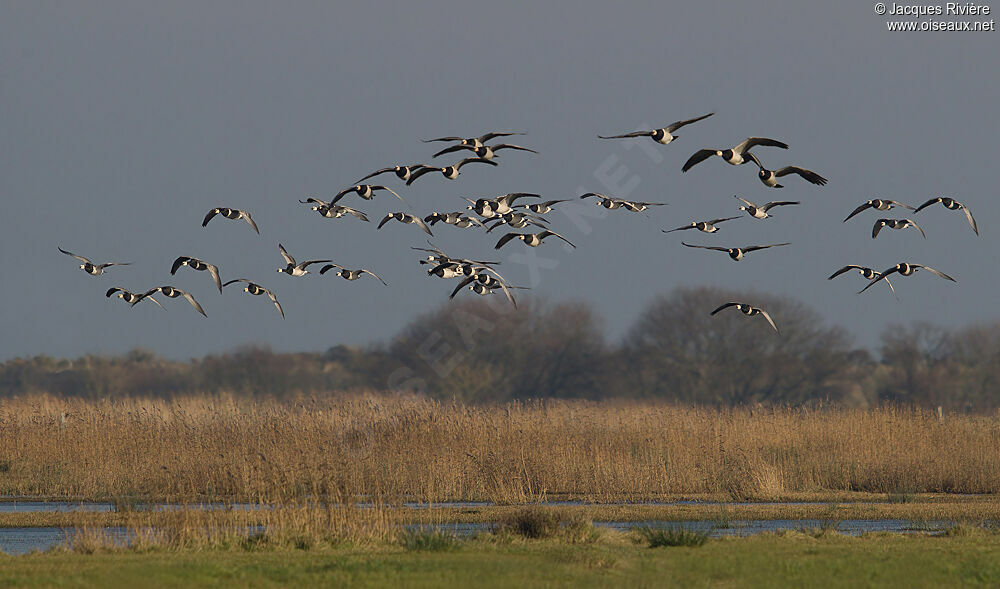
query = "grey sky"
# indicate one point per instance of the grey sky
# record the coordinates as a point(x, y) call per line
point(123, 124)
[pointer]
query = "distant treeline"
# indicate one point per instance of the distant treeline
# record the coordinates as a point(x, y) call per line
point(483, 351)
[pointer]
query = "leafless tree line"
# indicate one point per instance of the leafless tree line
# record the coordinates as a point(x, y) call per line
point(475, 351)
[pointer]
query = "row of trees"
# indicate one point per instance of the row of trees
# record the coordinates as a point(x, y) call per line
point(481, 350)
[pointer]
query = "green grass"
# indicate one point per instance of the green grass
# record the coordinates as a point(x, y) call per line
point(791, 559)
point(673, 534)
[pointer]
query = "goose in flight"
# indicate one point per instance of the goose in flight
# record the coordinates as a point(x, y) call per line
point(704, 226)
point(232, 215)
point(905, 269)
point(518, 221)
point(612, 203)
point(748, 311)
point(540, 208)
point(760, 211)
point(735, 155)
point(365, 191)
point(954, 205)
point(879, 204)
point(449, 268)
point(196, 264)
point(770, 177)
point(450, 172)
point(256, 289)
point(348, 274)
point(401, 172)
point(483, 151)
point(90, 267)
point(603, 200)
point(131, 297)
point(332, 211)
point(444, 266)
point(458, 219)
point(531, 239)
point(895, 224)
point(484, 288)
point(500, 205)
point(446, 218)
point(866, 272)
point(438, 256)
point(173, 293)
point(639, 206)
point(504, 203)
point(467, 221)
point(663, 135)
point(736, 253)
point(293, 269)
point(474, 141)
point(406, 218)
point(483, 207)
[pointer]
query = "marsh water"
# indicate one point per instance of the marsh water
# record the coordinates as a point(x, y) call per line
point(16, 541)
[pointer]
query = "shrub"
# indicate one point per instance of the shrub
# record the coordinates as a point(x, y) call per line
point(428, 540)
point(673, 534)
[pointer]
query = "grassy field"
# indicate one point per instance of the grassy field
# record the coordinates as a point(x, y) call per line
point(394, 449)
point(791, 559)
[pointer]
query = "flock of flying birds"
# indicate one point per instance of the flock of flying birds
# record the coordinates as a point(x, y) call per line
point(504, 211)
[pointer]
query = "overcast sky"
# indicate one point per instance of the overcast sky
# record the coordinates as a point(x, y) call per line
point(124, 123)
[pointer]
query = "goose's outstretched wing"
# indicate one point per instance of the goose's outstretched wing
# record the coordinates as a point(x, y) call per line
point(846, 268)
point(808, 175)
point(81, 258)
point(678, 124)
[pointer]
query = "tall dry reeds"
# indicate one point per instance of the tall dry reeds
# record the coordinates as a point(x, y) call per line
point(392, 448)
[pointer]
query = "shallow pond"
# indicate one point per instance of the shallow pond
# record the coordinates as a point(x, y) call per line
point(16, 541)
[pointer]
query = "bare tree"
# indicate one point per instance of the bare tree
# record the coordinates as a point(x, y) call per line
point(918, 365)
point(681, 352)
point(478, 350)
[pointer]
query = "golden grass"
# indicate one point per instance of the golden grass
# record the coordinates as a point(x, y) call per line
point(402, 448)
point(301, 526)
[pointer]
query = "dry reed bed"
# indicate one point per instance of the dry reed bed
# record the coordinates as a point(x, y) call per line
point(301, 526)
point(411, 448)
